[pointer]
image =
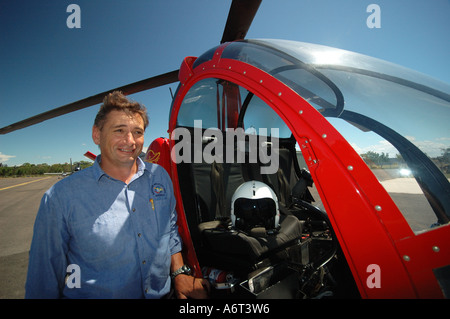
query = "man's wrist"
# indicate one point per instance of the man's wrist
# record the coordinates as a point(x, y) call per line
point(185, 269)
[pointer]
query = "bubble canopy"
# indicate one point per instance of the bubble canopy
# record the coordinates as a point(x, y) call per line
point(408, 110)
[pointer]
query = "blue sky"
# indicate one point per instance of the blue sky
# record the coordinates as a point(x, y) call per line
point(44, 64)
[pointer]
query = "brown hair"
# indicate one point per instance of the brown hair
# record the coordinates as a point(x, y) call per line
point(118, 101)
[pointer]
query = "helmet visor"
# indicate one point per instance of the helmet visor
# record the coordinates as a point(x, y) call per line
point(252, 213)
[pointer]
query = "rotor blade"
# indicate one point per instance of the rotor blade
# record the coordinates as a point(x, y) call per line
point(135, 87)
point(239, 19)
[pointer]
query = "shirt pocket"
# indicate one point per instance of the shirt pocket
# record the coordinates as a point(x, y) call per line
point(162, 211)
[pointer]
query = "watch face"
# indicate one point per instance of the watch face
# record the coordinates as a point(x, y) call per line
point(183, 270)
point(186, 270)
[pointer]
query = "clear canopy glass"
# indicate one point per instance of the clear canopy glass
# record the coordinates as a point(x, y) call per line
point(395, 118)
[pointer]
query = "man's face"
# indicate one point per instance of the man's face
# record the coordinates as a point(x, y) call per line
point(121, 139)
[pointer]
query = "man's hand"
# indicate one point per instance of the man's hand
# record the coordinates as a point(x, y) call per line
point(191, 287)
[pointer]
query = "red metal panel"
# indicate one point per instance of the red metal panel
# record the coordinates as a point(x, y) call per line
point(159, 153)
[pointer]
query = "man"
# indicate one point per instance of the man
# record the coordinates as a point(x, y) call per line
point(109, 231)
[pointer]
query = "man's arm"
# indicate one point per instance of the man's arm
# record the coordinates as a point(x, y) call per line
point(47, 260)
point(188, 286)
point(185, 286)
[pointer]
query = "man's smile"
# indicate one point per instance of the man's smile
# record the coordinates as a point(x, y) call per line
point(126, 150)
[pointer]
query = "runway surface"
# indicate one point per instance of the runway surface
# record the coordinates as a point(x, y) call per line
point(19, 202)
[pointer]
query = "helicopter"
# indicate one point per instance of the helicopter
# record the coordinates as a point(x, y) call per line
point(281, 116)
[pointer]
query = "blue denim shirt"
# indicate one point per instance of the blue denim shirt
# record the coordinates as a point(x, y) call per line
point(120, 236)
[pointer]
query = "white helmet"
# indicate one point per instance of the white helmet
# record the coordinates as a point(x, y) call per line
point(254, 204)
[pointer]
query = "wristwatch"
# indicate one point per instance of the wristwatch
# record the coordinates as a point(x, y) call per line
point(182, 270)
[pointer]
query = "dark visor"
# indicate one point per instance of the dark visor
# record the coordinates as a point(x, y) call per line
point(255, 212)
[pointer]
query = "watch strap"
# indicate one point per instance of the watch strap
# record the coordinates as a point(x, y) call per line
point(182, 270)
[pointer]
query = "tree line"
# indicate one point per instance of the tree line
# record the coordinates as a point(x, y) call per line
point(28, 169)
point(377, 160)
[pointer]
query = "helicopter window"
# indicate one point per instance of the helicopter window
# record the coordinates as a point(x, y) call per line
point(258, 56)
point(309, 83)
point(200, 103)
point(260, 118)
point(207, 102)
point(320, 93)
point(207, 56)
point(387, 164)
point(406, 123)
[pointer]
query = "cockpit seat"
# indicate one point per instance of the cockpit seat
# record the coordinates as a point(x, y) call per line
point(253, 245)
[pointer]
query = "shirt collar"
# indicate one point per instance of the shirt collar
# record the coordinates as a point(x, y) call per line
point(141, 166)
point(98, 171)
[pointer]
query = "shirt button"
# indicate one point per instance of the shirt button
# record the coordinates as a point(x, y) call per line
point(143, 262)
point(139, 234)
point(134, 209)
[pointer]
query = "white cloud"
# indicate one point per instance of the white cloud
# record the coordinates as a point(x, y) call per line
point(431, 148)
point(382, 146)
point(5, 158)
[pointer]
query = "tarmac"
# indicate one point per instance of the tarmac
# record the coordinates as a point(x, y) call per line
point(19, 203)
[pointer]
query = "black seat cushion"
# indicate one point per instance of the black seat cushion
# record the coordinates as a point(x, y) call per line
point(252, 245)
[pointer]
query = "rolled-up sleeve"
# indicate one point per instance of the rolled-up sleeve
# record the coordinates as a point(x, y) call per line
point(175, 239)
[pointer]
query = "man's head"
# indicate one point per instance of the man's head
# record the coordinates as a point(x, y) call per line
point(119, 130)
point(119, 102)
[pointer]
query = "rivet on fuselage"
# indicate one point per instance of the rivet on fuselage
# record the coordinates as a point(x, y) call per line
point(406, 258)
point(350, 168)
point(436, 249)
point(378, 208)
